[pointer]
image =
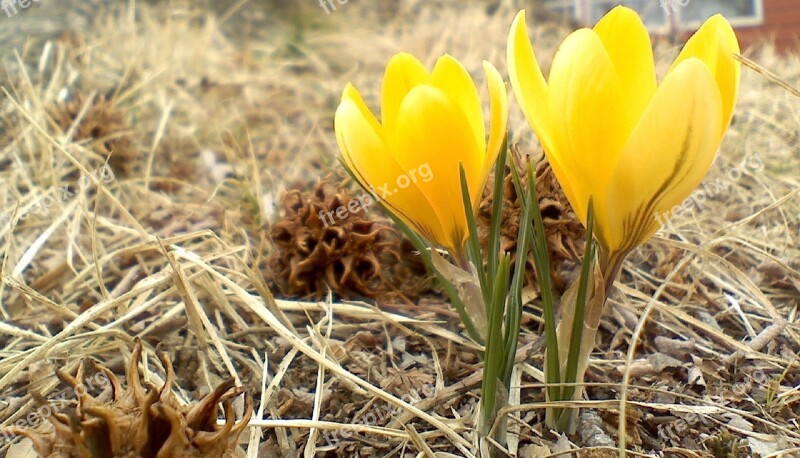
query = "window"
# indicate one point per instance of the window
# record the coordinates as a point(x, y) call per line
point(738, 12)
point(665, 15)
point(563, 7)
point(653, 15)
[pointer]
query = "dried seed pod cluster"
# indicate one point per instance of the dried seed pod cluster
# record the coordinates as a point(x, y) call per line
point(105, 129)
point(326, 239)
point(141, 420)
point(564, 232)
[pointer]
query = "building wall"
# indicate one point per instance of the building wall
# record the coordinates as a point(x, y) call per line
point(781, 18)
point(781, 23)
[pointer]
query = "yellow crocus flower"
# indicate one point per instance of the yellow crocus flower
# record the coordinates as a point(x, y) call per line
point(430, 122)
point(610, 132)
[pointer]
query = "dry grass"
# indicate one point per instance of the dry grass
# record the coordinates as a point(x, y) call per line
point(703, 328)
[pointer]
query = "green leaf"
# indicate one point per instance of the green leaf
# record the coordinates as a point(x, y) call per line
point(497, 209)
point(473, 243)
point(541, 259)
point(580, 308)
point(495, 357)
point(514, 313)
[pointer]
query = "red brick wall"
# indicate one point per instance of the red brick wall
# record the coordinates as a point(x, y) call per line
point(781, 23)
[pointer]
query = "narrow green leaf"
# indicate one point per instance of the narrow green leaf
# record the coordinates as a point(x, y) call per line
point(497, 210)
point(495, 350)
point(514, 313)
point(580, 308)
point(473, 243)
point(511, 339)
point(521, 194)
point(542, 260)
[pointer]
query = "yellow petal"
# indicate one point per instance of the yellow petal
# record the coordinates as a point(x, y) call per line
point(666, 157)
point(433, 130)
point(364, 149)
point(714, 44)
point(628, 44)
point(450, 77)
point(499, 119)
point(403, 72)
point(353, 111)
point(586, 108)
point(532, 93)
point(527, 80)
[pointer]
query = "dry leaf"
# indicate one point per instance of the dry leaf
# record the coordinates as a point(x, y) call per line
point(468, 287)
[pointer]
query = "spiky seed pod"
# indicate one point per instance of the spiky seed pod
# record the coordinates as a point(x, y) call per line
point(564, 232)
point(320, 244)
point(144, 421)
point(105, 129)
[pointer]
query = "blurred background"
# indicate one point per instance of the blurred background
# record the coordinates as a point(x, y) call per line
point(755, 20)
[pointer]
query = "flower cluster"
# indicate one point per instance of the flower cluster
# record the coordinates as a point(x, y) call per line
point(623, 146)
